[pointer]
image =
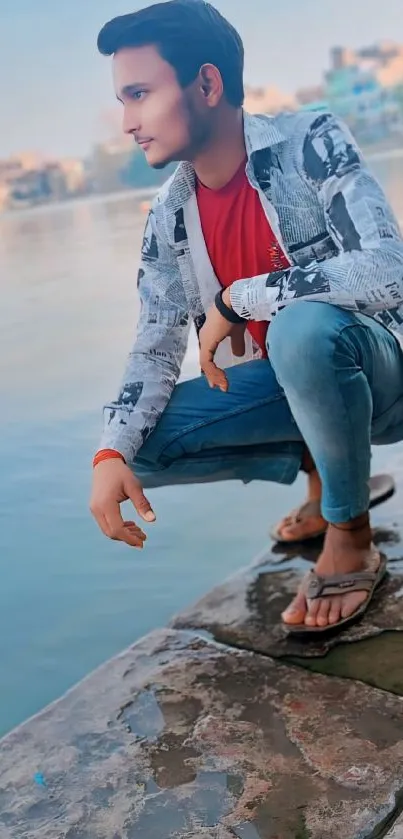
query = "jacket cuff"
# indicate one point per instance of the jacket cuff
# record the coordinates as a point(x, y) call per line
point(252, 299)
point(126, 442)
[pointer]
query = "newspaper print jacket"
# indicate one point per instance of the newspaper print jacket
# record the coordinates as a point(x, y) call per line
point(330, 216)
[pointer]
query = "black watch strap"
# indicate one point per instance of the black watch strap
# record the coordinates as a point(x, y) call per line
point(225, 310)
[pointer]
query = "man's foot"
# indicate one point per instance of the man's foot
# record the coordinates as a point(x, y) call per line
point(347, 549)
point(307, 521)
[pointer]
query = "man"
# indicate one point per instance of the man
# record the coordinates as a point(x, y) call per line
point(265, 220)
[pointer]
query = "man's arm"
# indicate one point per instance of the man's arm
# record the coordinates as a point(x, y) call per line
point(367, 272)
point(154, 363)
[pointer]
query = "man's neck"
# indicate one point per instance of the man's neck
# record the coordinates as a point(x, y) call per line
point(218, 164)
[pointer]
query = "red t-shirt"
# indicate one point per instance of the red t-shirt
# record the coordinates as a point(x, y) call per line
point(239, 239)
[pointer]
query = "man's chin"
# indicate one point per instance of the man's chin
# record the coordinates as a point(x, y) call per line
point(157, 163)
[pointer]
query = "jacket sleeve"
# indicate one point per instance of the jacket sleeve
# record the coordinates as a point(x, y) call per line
point(366, 272)
point(155, 361)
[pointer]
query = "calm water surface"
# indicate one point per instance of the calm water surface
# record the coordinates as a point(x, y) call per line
point(69, 598)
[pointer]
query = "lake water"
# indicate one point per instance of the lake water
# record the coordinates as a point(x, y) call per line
point(69, 598)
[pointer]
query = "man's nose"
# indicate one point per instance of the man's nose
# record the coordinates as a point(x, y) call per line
point(131, 122)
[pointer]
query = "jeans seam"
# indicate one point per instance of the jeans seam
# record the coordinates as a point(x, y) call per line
point(228, 414)
point(347, 326)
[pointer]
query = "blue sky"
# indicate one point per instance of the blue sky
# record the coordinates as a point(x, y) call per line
point(54, 85)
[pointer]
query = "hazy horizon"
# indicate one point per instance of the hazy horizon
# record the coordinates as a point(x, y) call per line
point(56, 86)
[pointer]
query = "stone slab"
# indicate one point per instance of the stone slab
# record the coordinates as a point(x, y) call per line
point(375, 661)
point(181, 737)
point(245, 611)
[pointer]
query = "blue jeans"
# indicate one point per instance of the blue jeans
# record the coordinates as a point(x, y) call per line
point(334, 381)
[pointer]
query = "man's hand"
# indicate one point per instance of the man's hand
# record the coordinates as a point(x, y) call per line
point(215, 330)
point(113, 483)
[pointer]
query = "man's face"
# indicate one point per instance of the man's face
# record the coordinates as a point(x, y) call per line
point(167, 122)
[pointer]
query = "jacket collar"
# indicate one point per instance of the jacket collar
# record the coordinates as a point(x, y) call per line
point(260, 132)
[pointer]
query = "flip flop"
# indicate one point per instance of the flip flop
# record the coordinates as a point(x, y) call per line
point(316, 587)
point(381, 488)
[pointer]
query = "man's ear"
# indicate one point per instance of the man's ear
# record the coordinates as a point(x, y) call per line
point(211, 84)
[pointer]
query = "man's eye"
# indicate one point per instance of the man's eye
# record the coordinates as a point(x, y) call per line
point(138, 95)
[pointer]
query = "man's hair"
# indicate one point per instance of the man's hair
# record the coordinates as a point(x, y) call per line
point(187, 34)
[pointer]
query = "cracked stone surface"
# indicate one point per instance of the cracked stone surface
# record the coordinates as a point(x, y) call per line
point(182, 737)
point(245, 612)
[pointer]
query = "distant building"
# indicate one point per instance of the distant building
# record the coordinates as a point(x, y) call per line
point(309, 95)
point(268, 100)
point(341, 57)
point(108, 163)
point(354, 93)
point(15, 167)
point(66, 178)
point(312, 98)
point(10, 170)
point(28, 180)
point(362, 88)
point(73, 172)
point(384, 61)
point(391, 75)
point(30, 188)
point(4, 196)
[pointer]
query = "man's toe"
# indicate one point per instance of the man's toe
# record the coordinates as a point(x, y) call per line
point(322, 618)
point(335, 610)
point(296, 611)
point(312, 612)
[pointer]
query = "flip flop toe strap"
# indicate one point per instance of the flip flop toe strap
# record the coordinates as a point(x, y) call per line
point(338, 584)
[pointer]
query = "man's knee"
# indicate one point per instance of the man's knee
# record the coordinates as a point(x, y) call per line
point(303, 335)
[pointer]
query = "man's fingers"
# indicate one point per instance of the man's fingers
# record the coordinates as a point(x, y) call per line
point(140, 502)
point(215, 376)
point(132, 539)
point(101, 521)
point(134, 535)
point(114, 520)
point(121, 531)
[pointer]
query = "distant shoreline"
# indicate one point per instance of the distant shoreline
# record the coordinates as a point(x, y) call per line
point(372, 153)
point(140, 194)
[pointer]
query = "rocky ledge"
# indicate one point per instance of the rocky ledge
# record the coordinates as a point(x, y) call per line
point(218, 728)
